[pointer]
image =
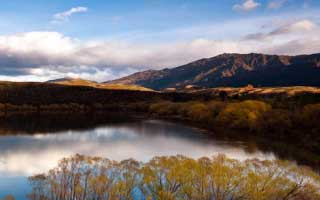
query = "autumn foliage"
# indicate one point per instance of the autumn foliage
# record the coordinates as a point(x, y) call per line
point(175, 178)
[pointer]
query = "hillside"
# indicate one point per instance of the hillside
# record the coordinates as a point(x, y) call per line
point(73, 81)
point(233, 70)
point(82, 82)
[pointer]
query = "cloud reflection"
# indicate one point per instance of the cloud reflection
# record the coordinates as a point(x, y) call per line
point(26, 155)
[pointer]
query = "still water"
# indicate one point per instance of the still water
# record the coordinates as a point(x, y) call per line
point(29, 147)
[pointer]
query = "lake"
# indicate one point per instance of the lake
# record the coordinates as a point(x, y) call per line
point(34, 145)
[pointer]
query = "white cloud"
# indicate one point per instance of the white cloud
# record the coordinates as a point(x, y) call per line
point(304, 27)
point(299, 26)
point(247, 5)
point(64, 16)
point(276, 4)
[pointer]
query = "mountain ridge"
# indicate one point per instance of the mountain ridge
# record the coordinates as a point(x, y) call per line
point(233, 70)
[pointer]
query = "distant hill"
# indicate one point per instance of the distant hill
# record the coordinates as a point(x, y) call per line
point(82, 82)
point(73, 81)
point(233, 70)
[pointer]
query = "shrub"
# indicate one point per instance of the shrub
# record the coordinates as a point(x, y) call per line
point(216, 107)
point(195, 111)
point(164, 108)
point(200, 112)
point(243, 115)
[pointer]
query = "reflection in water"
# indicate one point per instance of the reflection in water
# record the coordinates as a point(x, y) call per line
point(22, 155)
point(25, 155)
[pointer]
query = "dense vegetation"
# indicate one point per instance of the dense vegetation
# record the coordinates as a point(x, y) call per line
point(175, 178)
point(297, 125)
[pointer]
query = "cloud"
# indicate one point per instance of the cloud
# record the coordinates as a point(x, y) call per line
point(39, 56)
point(276, 4)
point(247, 5)
point(64, 16)
point(297, 27)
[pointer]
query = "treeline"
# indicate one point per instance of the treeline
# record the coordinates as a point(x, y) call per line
point(41, 97)
point(37, 94)
point(46, 97)
point(175, 178)
point(250, 117)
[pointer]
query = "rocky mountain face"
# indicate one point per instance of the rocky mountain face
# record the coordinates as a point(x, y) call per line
point(233, 70)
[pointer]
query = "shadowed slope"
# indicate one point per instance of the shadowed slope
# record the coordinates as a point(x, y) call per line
point(233, 70)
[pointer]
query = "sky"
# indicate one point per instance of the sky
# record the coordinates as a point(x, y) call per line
point(103, 39)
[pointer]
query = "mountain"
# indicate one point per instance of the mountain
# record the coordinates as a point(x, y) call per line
point(233, 70)
point(82, 82)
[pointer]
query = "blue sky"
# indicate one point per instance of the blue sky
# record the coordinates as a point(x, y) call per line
point(100, 40)
point(107, 19)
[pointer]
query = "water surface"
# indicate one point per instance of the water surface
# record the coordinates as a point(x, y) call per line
point(32, 148)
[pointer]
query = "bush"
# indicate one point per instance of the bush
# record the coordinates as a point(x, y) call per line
point(216, 107)
point(243, 115)
point(165, 108)
point(195, 111)
point(200, 112)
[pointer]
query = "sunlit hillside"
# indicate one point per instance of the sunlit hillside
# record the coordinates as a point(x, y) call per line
point(258, 91)
point(83, 82)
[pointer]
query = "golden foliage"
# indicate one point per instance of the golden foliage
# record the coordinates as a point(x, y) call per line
point(243, 115)
point(175, 178)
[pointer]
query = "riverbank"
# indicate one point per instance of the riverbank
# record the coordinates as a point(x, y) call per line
point(287, 130)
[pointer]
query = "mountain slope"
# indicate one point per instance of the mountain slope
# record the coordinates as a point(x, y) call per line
point(74, 81)
point(233, 70)
point(82, 82)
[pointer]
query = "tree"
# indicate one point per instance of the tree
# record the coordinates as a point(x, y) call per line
point(175, 178)
point(243, 115)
